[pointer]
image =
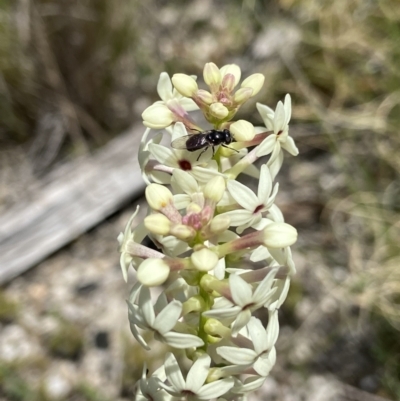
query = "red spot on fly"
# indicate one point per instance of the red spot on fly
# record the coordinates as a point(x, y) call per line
point(185, 165)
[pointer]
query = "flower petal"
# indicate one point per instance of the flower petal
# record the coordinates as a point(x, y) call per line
point(237, 356)
point(182, 340)
point(266, 146)
point(164, 87)
point(185, 181)
point(167, 318)
point(243, 195)
point(264, 185)
point(239, 217)
point(163, 155)
point(181, 200)
point(288, 108)
point(267, 114)
point(222, 313)
point(146, 306)
point(279, 118)
point(241, 291)
point(258, 335)
point(250, 384)
point(241, 321)
point(173, 372)
point(215, 389)
point(290, 146)
point(264, 364)
point(197, 374)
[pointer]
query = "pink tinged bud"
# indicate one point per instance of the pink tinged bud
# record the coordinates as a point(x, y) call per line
point(179, 113)
point(279, 235)
point(204, 260)
point(157, 224)
point(183, 232)
point(228, 83)
point(242, 130)
point(206, 214)
point(153, 272)
point(242, 95)
point(204, 97)
point(158, 196)
point(158, 116)
point(255, 82)
point(193, 220)
point(234, 70)
point(218, 110)
point(212, 75)
point(185, 84)
point(214, 189)
point(160, 199)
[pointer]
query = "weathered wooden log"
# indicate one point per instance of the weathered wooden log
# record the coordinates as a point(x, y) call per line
point(77, 196)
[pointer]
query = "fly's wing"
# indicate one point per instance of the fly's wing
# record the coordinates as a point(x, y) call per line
point(190, 142)
point(180, 143)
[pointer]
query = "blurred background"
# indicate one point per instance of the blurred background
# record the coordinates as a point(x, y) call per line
point(75, 77)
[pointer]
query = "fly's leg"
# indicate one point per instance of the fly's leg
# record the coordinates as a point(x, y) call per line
point(203, 152)
point(228, 147)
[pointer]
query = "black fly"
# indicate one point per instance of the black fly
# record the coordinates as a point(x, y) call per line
point(203, 140)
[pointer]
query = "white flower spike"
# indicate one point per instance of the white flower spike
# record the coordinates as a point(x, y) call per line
point(220, 251)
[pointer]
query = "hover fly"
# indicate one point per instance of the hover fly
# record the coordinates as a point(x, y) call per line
point(203, 140)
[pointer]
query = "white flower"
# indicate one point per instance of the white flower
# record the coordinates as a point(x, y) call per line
point(278, 122)
point(194, 388)
point(127, 237)
point(253, 206)
point(144, 158)
point(148, 389)
point(172, 107)
point(243, 300)
point(183, 181)
point(185, 160)
point(161, 319)
point(261, 355)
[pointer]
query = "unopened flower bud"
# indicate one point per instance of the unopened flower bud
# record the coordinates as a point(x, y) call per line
point(228, 83)
point(211, 74)
point(183, 232)
point(255, 82)
point(185, 84)
point(218, 110)
point(242, 95)
point(215, 328)
point(214, 189)
point(242, 130)
point(157, 116)
point(279, 235)
point(153, 272)
point(157, 223)
point(194, 304)
point(158, 196)
point(193, 208)
point(204, 260)
point(204, 96)
point(219, 224)
point(233, 69)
